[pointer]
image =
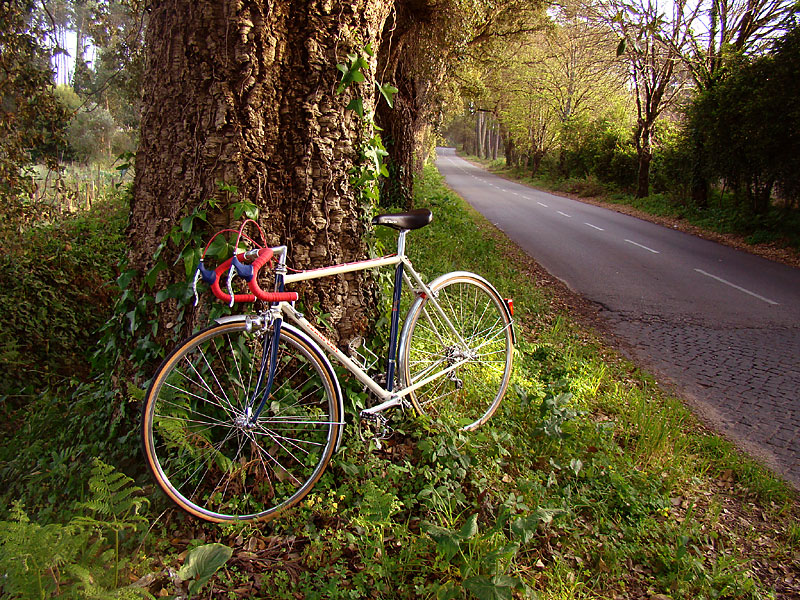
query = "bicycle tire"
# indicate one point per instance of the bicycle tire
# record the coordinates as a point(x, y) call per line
point(471, 393)
point(195, 438)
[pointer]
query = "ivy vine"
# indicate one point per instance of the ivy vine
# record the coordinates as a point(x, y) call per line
point(371, 167)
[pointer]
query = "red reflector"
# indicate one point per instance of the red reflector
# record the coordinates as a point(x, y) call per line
point(510, 305)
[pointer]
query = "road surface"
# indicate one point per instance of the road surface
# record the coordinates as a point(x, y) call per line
point(723, 325)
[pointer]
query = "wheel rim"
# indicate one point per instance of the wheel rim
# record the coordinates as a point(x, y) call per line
point(204, 449)
point(470, 393)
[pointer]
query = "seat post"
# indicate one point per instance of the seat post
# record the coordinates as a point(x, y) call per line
point(401, 242)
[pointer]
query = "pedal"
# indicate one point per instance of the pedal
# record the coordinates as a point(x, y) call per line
point(382, 429)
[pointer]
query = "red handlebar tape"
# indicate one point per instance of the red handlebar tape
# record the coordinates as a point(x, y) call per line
point(264, 256)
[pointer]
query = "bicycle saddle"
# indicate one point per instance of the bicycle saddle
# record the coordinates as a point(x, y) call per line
point(408, 220)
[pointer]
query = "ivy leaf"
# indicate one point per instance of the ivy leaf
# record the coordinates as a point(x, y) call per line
point(498, 587)
point(470, 528)
point(621, 47)
point(124, 280)
point(506, 553)
point(387, 91)
point(218, 248)
point(357, 105)
point(447, 542)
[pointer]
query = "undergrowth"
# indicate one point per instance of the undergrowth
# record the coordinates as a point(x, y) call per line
point(588, 482)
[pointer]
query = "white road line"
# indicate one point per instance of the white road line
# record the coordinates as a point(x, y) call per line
point(563, 214)
point(736, 287)
point(594, 227)
point(645, 247)
point(542, 204)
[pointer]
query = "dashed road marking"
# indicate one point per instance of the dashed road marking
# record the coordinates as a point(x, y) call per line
point(542, 204)
point(594, 227)
point(736, 287)
point(563, 214)
point(645, 247)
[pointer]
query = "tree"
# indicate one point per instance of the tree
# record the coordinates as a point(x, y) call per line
point(32, 121)
point(726, 31)
point(426, 43)
point(244, 94)
point(651, 42)
point(748, 124)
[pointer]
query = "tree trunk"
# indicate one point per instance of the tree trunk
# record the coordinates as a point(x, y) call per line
point(643, 175)
point(243, 93)
point(479, 127)
point(642, 138)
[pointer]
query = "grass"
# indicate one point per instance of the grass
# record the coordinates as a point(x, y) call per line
point(589, 482)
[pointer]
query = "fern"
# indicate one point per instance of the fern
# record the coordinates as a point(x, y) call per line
point(115, 504)
point(32, 555)
point(113, 496)
point(74, 560)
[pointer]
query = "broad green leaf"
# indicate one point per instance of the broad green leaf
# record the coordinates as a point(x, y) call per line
point(219, 248)
point(202, 562)
point(186, 223)
point(447, 542)
point(387, 91)
point(470, 528)
point(506, 553)
point(524, 528)
point(498, 587)
point(357, 106)
point(124, 280)
point(621, 47)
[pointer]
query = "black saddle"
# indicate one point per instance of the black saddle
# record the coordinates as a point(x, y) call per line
point(405, 221)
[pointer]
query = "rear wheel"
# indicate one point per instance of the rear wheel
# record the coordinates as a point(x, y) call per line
point(465, 351)
point(201, 444)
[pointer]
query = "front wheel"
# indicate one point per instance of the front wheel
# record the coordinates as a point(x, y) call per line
point(458, 349)
point(204, 448)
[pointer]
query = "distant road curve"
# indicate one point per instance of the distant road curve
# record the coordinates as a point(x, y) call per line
point(721, 324)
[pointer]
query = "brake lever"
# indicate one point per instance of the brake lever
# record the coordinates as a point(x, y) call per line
point(194, 285)
point(230, 284)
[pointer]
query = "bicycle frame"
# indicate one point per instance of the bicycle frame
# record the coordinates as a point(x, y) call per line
point(403, 268)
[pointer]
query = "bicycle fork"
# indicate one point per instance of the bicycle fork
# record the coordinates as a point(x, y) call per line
point(267, 368)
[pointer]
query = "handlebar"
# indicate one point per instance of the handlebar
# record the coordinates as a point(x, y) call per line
point(248, 272)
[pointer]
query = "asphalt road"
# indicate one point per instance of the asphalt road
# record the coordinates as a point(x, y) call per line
point(721, 324)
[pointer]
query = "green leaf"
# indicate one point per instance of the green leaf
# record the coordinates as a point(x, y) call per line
point(498, 587)
point(506, 553)
point(190, 256)
point(125, 278)
point(186, 223)
point(447, 542)
point(524, 528)
point(621, 47)
point(202, 562)
point(357, 106)
point(469, 528)
point(219, 248)
point(387, 91)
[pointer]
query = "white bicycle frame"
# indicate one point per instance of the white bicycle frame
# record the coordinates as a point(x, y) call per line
point(388, 398)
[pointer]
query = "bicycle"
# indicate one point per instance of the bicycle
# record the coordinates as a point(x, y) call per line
point(242, 418)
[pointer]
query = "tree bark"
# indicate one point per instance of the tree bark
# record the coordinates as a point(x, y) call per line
point(243, 92)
